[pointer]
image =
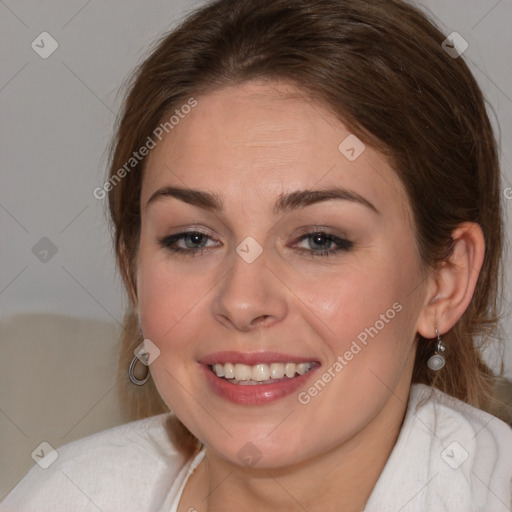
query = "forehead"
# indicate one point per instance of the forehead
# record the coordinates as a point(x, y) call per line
point(257, 140)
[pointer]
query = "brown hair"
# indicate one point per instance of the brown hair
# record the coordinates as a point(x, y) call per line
point(381, 68)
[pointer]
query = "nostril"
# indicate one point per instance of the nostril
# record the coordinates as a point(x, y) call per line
point(260, 319)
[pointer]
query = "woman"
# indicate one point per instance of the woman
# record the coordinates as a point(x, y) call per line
point(305, 199)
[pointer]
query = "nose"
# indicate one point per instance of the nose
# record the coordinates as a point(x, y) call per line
point(250, 296)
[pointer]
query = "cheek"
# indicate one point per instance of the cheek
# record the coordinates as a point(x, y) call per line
point(164, 300)
point(350, 297)
point(371, 306)
point(156, 303)
point(168, 293)
point(168, 303)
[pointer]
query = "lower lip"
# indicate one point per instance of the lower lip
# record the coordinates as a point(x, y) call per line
point(256, 394)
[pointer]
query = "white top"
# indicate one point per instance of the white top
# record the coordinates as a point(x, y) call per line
point(449, 457)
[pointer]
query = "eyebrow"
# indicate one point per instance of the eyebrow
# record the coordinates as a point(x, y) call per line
point(286, 202)
point(205, 200)
point(302, 198)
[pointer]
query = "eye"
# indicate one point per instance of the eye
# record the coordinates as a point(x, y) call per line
point(320, 243)
point(191, 242)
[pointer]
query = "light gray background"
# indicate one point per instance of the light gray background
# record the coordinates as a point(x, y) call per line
point(57, 119)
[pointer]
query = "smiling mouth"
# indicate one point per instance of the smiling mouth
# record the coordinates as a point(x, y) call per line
point(246, 375)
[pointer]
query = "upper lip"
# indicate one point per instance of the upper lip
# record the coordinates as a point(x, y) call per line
point(252, 358)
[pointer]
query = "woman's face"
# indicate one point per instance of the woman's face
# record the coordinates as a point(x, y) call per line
point(271, 245)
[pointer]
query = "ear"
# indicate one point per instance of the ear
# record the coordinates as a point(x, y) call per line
point(452, 284)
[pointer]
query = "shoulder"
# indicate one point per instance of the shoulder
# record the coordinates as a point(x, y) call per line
point(462, 453)
point(451, 417)
point(449, 457)
point(128, 467)
point(475, 438)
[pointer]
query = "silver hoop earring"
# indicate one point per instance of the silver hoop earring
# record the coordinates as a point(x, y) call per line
point(135, 380)
point(437, 361)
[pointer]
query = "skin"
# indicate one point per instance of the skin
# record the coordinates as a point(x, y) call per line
point(250, 144)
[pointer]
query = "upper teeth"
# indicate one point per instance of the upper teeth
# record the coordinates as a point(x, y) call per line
point(260, 372)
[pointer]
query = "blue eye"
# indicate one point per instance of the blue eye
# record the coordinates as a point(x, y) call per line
point(316, 243)
point(319, 243)
point(194, 240)
point(189, 242)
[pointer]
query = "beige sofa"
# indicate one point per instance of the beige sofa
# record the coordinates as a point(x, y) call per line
point(57, 383)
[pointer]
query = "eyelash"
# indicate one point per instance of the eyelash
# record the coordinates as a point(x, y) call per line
point(167, 242)
point(344, 245)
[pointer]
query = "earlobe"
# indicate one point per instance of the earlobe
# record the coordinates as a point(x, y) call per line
point(453, 282)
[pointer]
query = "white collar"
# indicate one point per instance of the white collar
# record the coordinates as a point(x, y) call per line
point(449, 457)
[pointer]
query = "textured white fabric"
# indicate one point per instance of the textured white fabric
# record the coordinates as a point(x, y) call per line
point(133, 467)
point(449, 457)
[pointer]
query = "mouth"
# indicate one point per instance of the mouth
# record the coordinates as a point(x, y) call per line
point(260, 374)
point(256, 378)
